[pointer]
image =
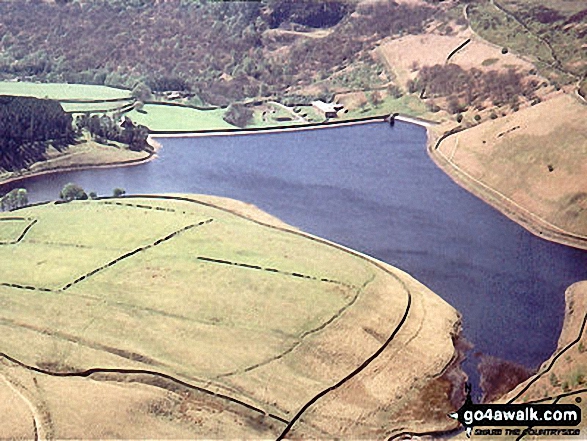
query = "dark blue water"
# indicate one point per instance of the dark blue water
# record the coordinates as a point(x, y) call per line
point(373, 188)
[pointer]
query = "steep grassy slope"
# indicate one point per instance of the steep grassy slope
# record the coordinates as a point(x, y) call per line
point(529, 164)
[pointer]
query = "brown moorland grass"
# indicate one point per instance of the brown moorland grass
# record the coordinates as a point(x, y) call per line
point(269, 317)
point(114, 406)
point(414, 51)
point(530, 165)
point(17, 419)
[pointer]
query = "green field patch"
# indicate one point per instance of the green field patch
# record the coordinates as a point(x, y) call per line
point(126, 336)
point(163, 306)
point(48, 266)
point(113, 227)
point(107, 107)
point(160, 117)
point(62, 91)
point(242, 299)
point(63, 246)
point(13, 229)
point(232, 239)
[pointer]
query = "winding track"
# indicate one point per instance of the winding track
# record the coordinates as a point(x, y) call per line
point(289, 424)
point(38, 429)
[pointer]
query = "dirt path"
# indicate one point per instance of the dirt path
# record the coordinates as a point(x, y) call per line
point(40, 433)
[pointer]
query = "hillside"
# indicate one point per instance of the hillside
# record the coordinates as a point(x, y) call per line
point(553, 33)
point(219, 51)
point(529, 165)
point(195, 321)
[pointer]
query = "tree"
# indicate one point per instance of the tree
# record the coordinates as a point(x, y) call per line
point(72, 192)
point(27, 127)
point(142, 92)
point(453, 105)
point(92, 195)
point(238, 115)
point(375, 99)
point(394, 91)
point(15, 198)
point(117, 192)
point(22, 197)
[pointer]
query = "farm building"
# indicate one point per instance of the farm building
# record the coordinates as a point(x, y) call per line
point(329, 110)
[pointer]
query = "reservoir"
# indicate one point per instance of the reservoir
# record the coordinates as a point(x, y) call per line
point(374, 189)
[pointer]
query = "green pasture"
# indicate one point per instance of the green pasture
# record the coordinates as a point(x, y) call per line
point(107, 107)
point(62, 91)
point(11, 229)
point(164, 307)
point(407, 105)
point(161, 117)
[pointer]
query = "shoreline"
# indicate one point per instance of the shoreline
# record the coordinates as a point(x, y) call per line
point(78, 167)
point(525, 218)
point(297, 128)
point(153, 142)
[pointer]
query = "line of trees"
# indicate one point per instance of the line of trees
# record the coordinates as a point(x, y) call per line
point(473, 87)
point(104, 128)
point(18, 197)
point(74, 192)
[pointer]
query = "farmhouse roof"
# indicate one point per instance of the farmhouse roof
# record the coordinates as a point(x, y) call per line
point(324, 107)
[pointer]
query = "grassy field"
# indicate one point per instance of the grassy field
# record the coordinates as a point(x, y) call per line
point(262, 315)
point(108, 107)
point(12, 228)
point(407, 105)
point(175, 118)
point(166, 291)
point(61, 91)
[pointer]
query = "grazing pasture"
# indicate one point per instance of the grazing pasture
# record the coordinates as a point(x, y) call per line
point(63, 91)
point(240, 321)
point(161, 117)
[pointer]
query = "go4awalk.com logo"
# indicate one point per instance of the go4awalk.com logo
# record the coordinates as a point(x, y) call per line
point(549, 420)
